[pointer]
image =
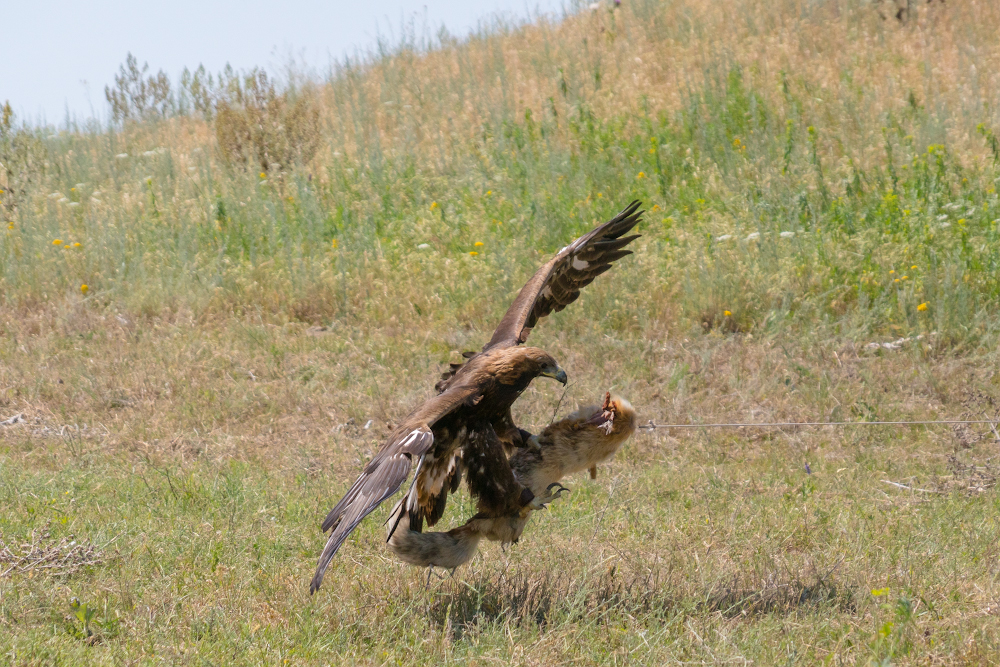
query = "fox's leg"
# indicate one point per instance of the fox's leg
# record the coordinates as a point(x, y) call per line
point(430, 571)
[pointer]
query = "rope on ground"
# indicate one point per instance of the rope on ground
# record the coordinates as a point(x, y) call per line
point(651, 425)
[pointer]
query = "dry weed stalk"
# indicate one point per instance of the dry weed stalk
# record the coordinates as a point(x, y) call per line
point(42, 553)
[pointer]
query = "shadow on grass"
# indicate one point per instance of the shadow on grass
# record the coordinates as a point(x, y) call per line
point(537, 600)
point(782, 599)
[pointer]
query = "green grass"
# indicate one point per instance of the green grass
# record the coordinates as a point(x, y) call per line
point(196, 410)
point(701, 546)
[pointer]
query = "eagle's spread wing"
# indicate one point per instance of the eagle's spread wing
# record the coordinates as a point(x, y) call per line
point(558, 283)
point(387, 470)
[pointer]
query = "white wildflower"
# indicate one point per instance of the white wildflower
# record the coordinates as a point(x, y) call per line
point(149, 153)
point(942, 217)
point(594, 6)
point(786, 235)
point(724, 237)
point(55, 195)
point(753, 236)
point(74, 204)
point(424, 246)
point(945, 225)
point(122, 156)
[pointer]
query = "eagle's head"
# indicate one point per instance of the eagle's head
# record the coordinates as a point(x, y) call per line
point(521, 365)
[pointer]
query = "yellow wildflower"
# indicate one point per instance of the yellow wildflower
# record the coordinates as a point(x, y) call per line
point(434, 205)
point(904, 277)
point(727, 313)
point(922, 307)
point(263, 175)
point(83, 288)
point(334, 244)
point(877, 592)
point(478, 244)
point(473, 253)
point(652, 150)
point(489, 192)
point(10, 225)
point(77, 244)
point(656, 207)
point(896, 280)
point(641, 174)
point(891, 271)
point(913, 267)
point(56, 241)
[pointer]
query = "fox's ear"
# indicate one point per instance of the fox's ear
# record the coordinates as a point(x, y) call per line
point(607, 401)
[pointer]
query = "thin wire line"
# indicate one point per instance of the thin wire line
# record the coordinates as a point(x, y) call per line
point(651, 425)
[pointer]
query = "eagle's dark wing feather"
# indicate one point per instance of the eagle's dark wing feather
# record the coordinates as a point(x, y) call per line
point(387, 470)
point(558, 283)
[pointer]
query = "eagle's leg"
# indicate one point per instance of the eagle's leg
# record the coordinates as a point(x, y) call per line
point(540, 502)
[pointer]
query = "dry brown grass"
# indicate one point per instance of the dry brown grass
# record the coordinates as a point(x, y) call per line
point(210, 449)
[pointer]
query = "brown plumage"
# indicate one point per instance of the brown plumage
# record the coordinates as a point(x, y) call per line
point(585, 438)
point(466, 427)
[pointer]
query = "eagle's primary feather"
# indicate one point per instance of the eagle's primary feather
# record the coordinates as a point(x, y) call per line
point(558, 283)
point(468, 424)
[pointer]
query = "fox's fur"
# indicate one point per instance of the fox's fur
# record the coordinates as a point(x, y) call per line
point(580, 441)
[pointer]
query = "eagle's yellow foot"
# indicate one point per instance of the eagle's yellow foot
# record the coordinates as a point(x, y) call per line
point(541, 502)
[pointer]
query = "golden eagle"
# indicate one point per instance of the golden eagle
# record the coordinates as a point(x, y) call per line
point(468, 424)
point(588, 436)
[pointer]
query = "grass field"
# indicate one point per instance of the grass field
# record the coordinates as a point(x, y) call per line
point(205, 350)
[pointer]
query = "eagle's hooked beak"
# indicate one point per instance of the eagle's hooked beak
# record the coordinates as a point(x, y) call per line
point(555, 373)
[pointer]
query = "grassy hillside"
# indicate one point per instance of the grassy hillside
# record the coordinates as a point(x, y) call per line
point(211, 316)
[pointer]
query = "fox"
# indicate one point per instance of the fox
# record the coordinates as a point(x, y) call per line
point(580, 441)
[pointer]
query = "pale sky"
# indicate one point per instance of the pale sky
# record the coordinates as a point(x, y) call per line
point(57, 54)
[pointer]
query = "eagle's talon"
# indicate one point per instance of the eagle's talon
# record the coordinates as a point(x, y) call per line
point(541, 502)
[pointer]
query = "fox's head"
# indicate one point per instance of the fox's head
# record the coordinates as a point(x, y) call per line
point(616, 415)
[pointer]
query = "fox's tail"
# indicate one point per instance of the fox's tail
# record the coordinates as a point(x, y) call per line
point(448, 550)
